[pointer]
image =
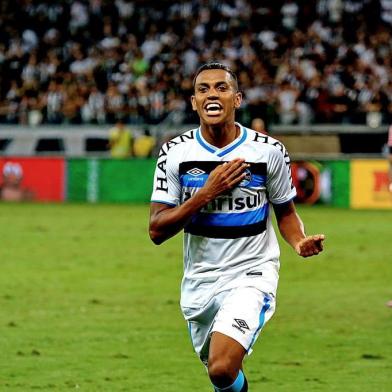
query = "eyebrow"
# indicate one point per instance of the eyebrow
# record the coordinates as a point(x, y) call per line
point(205, 84)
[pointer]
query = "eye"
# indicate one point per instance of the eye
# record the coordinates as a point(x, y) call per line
point(202, 89)
point(222, 87)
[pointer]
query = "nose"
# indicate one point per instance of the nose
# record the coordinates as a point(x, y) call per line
point(212, 94)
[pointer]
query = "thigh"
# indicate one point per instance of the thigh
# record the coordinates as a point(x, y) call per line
point(223, 347)
point(243, 314)
point(200, 324)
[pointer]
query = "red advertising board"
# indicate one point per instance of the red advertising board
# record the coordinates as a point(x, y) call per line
point(37, 179)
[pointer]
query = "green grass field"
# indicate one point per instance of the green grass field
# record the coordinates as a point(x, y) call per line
point(88, 302)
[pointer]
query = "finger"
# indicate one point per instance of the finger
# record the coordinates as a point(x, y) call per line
point(309, 247)
point(220, 167)
point(236, 180)
point(233, 165)
point(239, 172)
point(309, 250)
point(225, 165)
point(236, 161)
point(315, 242)
point(233, 177)
point(230, 180)
point(310, 253)
point(319, 237)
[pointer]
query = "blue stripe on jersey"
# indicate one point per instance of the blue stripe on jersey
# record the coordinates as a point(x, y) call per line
point(189, 180)
point(224, 151)
point(255, 182)
point(193, 181)
point(234, 146)
point(202, 143)
point(264, 309)
point(231, 219)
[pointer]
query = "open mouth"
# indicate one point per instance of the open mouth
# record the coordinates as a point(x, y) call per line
point(213, 109)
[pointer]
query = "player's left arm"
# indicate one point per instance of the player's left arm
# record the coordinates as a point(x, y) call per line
point(292, 230)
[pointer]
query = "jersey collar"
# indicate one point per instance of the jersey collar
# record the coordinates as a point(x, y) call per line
point(220, 152)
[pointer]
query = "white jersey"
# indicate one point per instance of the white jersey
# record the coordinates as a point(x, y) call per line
point(231, 238)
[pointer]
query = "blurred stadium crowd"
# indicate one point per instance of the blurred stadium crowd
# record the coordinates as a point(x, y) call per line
point(82, 62)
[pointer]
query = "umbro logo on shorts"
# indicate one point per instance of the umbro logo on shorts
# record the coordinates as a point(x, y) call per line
point(195, 172)
point(241, 325)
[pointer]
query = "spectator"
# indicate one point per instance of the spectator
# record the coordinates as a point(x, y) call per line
point(120, 140)
point(340, 105)
point(289, 57)
point(287, 100)
point(114, 103)
point(93, 110)
point(53, 101)
point(143, 145)
point(258, 125)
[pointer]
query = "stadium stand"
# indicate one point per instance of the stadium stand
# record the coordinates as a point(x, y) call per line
point(299, 62)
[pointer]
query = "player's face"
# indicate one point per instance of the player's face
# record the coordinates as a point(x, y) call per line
point(216, 97)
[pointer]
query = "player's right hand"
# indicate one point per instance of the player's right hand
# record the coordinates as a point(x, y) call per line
point(225, 177)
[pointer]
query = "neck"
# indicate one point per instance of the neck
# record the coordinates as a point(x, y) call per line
point(220, 135)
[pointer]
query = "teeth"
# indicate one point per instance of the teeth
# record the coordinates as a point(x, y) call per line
point(213, 106)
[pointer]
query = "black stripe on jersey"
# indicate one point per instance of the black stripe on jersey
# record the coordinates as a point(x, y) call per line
point(227, 231)
point(208, 166)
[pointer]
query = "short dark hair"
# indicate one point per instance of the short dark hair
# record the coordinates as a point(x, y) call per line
point(216, 65)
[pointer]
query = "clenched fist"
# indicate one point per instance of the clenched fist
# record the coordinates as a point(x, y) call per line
point(310, 246)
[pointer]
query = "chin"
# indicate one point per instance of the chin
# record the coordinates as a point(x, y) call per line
point(214, 121)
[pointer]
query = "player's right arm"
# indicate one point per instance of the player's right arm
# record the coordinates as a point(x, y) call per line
point(167, 220)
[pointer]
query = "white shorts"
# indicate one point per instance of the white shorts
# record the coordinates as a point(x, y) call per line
point(239, 313)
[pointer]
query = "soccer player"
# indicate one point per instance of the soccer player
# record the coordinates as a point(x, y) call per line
point(217, 183)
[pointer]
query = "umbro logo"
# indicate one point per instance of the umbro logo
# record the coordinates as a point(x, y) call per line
point(240, 325)
point(195, 172)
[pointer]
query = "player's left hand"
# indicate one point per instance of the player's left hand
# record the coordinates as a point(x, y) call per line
point(310, 246)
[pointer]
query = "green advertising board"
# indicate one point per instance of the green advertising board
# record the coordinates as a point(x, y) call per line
point(340, 182)
point(130, 180)
point(110, 180)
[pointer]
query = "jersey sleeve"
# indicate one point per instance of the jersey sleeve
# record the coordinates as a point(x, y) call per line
point(280, 186)
point(167, 187)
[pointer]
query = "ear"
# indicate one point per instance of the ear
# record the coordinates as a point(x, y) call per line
point(193, 101)
point(237, 99)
